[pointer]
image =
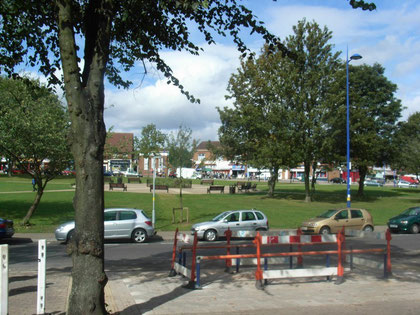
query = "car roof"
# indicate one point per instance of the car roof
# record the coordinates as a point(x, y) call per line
point(122, 209)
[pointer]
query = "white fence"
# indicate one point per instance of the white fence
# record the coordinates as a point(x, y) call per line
point(4, 278)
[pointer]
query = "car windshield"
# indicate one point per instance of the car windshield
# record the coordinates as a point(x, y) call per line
point(327, 214)
point(411, 211)
point(220, 216)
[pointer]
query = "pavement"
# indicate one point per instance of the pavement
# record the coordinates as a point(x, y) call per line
point(145, 288)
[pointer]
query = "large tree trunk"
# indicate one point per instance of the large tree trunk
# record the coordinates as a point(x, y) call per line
point(313, 181)
point(85, 100)
point(274, 172)
point(362, 174)
point(33, 207)
point(307, 166)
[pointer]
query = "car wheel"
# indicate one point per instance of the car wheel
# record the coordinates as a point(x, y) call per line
point(368, 228)
point(414, 229)
point(210, 235)
point(139, 236)
point(324, 230)
point(70, 236)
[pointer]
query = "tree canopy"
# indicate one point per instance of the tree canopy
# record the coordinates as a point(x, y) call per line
point(33, 132)
point(374, 113)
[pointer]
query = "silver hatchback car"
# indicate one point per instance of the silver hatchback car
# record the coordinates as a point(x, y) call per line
point(119, 223)
point(235, 220)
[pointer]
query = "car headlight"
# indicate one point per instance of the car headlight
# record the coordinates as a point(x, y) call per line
point(312, 224)
point(404, 222)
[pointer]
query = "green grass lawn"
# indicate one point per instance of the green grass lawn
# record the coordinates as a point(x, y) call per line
point(286, 210)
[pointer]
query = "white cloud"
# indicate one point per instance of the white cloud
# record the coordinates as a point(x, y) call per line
point(205, 76)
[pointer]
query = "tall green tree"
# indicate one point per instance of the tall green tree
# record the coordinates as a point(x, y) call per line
point(181, 147)
point(257, 129)
point(309, 79)
point(407, 143)
point(151, 142)
point(112, 35)
point(33, 131)
point(374, 113)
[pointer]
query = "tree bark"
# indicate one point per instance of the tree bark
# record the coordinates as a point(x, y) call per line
point(85, 100)
point(362, 173)
point(34, 206)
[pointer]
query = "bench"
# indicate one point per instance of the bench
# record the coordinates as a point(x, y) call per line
point(245, 186)
point(117, 185)
point(134, 179)
point(254, 187)
point(160, 187)
point(207, 181)
point(220, 188)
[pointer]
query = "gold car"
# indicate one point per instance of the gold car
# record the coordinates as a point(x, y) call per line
point(332, 221)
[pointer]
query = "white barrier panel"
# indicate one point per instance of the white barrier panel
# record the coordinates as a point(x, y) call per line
point(294, 273)
point(42, 255)
point(265, 233)
point(272, 260)
point(182, 270)
point(4, 279)
point(186, 238)
point(358, 233)
point(290, 239)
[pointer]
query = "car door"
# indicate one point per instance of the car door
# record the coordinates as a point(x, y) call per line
point(249, 221)
point(340, 219)
point(233, 222)
point(110, 224)
point(356, 220)
point(125, 223)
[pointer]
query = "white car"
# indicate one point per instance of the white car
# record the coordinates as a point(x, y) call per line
point(405, 184)
point(130, 173)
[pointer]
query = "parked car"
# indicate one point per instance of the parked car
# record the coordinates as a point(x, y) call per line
point(332, 221)
point(407, 221)
point(68, 172)
point(405, 184)
point(130, 173)
point(236, 220)
point(409, 179)
point(108, 173)
point(373, 183)
point(172, 175)
point(120, 223)
point(6, 228)
point(338, 180)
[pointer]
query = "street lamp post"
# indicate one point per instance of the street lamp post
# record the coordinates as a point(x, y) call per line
point(353, 57)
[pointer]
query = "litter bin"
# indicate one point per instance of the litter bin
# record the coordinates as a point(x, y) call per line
point(232, 189)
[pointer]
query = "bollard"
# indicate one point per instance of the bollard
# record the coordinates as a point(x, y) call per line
point(340, 270)
point(258, 273)
point(42, 253)
point(351, 257)
point(4, 279)
point(228, 267)
point(172, 272)
point(300, 257)
point(388, 252)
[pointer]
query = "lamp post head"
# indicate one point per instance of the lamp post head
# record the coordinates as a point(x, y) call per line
point(355, 57)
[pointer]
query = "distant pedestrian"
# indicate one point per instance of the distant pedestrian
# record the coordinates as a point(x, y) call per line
point(33, 184)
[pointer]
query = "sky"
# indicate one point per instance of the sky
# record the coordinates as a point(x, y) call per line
point(390, 36)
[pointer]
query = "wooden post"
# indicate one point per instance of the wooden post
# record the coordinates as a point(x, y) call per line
point(228, 234)
point(388, 252)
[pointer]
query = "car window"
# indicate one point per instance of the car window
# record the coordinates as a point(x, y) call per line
point(234, 217)
point(259, 215)
point(356, 214)
point(110, 216)
point(127, 215)
point(248, 216)
point(342, 215)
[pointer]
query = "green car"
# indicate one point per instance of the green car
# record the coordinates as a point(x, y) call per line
point(408, 221)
